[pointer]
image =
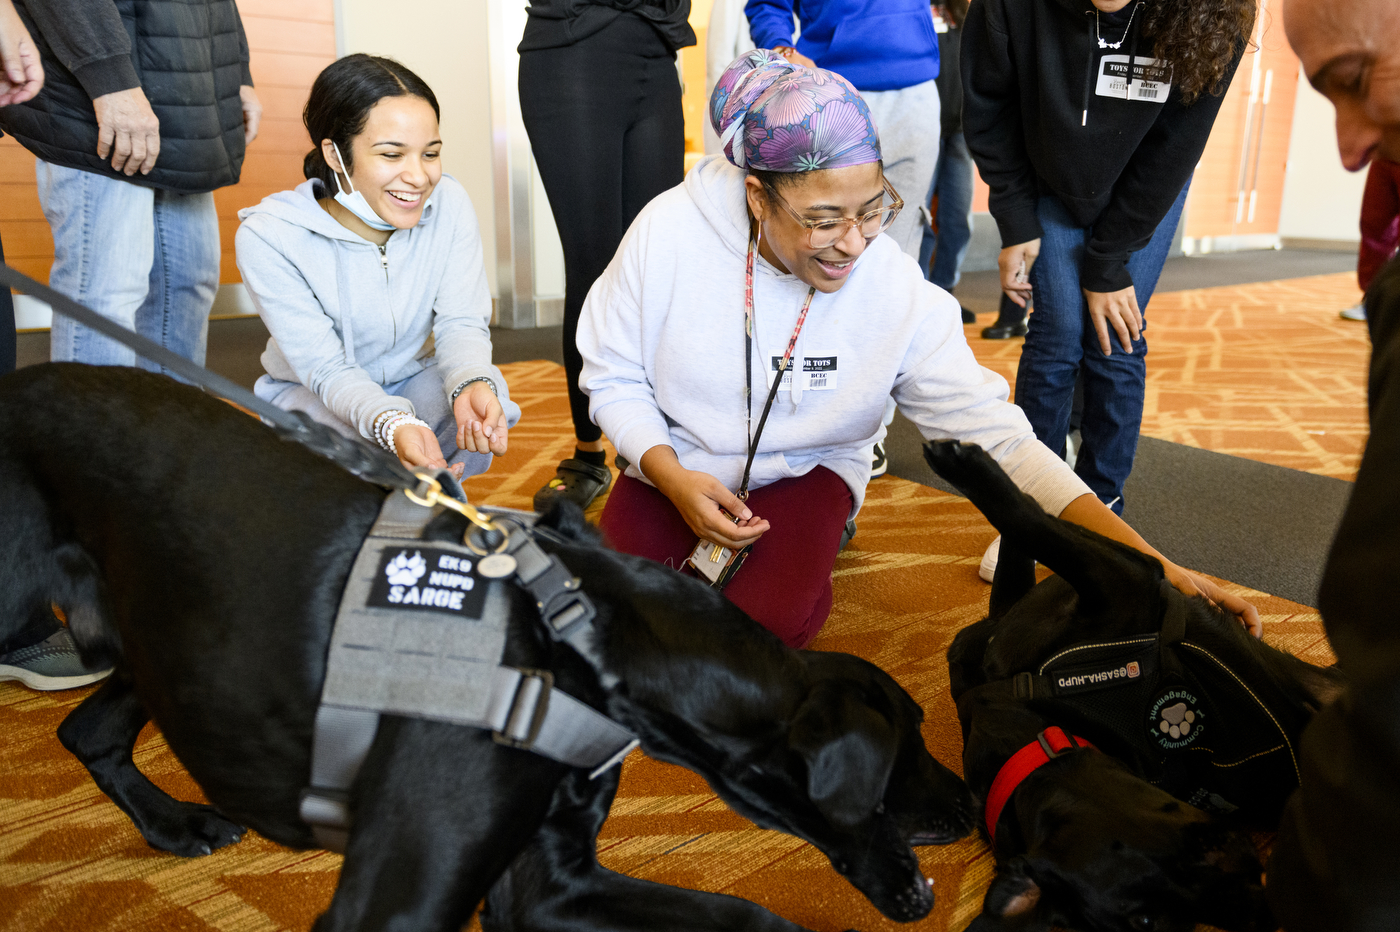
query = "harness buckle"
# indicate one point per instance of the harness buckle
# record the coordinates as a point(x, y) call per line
point(1023, 685)
point(1050, 752)
point(527, 710)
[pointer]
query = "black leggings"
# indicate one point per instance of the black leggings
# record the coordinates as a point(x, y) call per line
point(7, 326)
point(605, 124)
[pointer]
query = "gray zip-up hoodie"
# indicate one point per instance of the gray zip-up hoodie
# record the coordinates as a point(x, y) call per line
point(348, 317)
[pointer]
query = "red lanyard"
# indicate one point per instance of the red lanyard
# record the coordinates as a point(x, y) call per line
point(743, 492)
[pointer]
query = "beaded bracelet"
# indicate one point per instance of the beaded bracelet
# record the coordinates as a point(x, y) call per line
point(377, 428)
point(463, 387)
point(394, 423)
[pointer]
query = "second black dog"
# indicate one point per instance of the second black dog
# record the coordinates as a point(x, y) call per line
point(1093, 838)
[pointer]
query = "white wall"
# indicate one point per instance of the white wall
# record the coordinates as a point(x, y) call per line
point(1321, 199)
point(445, 43)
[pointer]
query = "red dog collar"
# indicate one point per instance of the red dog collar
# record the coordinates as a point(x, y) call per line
point(1048, 745)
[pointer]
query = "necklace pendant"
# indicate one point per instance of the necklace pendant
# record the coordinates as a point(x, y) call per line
point(1103, 43)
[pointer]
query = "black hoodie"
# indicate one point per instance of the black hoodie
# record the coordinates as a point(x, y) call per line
point(1037, 124)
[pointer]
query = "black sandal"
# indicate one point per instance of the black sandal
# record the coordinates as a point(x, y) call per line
point(575, 481)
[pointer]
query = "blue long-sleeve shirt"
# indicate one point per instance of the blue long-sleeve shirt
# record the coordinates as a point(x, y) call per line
point(877, 45)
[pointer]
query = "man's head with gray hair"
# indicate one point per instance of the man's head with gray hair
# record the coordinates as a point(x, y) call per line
point(1350, 51)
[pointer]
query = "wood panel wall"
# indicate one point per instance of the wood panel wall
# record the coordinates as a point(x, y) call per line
point(290, 41)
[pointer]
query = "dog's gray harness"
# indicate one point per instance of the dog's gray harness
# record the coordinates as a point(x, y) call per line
point(420, 633)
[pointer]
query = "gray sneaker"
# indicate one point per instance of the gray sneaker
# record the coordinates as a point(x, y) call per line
point(53, 663)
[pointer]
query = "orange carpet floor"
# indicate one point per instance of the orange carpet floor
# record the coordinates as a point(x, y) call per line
point(70, 860)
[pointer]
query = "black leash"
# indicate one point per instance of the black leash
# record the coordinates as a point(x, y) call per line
point(355, 455)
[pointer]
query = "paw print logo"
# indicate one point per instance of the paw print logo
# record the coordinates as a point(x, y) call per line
point(1176, 721)
point(404, 570)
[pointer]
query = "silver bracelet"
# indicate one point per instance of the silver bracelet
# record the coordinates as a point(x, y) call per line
point(463, 387)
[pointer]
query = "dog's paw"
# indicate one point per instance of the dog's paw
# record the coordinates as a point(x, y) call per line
point(192, 830)
point(958, 463)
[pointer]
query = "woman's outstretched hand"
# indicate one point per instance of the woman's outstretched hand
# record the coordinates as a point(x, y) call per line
point(418, 449)
point(1191, 583)
point(707, 506)
point(481, 422)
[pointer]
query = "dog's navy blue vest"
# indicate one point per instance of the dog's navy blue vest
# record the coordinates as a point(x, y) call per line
point(1175, 712)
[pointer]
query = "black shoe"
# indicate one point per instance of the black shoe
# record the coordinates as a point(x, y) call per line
point(621, 462)
point(968, 316)
point(575, 480)
point(879, 464)
point(1002, 330)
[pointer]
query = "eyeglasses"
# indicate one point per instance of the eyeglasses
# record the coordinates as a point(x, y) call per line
point(829, 232)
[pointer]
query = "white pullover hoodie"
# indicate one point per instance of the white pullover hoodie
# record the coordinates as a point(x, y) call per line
point(662, 338)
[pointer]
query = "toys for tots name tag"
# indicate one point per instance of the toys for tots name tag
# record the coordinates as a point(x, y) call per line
point(426, 579)
point(1151, 80)
point(817, 372)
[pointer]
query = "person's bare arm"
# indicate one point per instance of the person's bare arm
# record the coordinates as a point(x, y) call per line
point(1088, 512)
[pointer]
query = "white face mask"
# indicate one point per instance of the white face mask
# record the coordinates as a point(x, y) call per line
point(355, 201)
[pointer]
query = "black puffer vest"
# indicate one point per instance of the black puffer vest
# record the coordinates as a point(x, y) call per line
point(191, 56)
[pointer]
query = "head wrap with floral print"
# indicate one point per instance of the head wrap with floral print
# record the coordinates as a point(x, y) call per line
point(772, 115)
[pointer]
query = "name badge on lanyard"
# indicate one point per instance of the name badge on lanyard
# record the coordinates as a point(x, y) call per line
point(818, 373)
point(1151, 79)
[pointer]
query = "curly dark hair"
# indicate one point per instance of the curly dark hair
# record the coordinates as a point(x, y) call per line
point(1198, 39)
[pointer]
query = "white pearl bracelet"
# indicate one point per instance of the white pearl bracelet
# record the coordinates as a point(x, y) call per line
point(385, 428)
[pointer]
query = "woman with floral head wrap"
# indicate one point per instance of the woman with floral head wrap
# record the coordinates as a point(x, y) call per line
point(769, 263)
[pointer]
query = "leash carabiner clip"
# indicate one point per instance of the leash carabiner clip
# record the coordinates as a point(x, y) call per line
point(429, 493)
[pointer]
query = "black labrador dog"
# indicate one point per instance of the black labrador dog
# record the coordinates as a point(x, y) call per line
point(1093, 839)
point(205, 557)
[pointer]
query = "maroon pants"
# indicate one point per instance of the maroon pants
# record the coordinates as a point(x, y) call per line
point(785, 584)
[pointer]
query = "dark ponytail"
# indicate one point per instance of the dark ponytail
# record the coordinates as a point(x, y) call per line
point(340, 102)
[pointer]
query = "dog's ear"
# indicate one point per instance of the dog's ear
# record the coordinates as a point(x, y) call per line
point(849, 748)
point(1012, 903)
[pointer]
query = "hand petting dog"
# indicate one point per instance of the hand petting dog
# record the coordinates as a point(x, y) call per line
point(1088, 512)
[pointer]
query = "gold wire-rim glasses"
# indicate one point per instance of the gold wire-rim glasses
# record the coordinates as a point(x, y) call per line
point(845, 223)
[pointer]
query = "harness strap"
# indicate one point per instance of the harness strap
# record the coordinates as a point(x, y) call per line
point(522, 708)
point(1048, 745)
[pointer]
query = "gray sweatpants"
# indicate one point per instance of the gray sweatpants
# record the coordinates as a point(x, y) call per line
point(909, 124)
point(423, 389)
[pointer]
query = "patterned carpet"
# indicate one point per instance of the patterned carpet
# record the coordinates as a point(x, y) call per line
point(1265, 371)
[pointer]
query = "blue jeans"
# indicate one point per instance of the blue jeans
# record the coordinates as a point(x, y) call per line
point(952, 182)
point(423, 389)
point(1062, 345)
point(144, 258)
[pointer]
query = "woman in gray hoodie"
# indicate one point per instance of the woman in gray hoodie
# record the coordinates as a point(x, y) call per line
point(369, 277)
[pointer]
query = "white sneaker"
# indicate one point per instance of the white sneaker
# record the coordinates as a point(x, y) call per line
point(988, 569)
point(1355, 312)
